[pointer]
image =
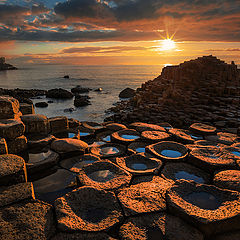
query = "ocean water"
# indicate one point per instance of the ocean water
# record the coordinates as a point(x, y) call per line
point(112, 79)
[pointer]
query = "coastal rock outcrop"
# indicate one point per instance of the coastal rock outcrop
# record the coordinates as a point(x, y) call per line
point(59, 93)
point(5, 66)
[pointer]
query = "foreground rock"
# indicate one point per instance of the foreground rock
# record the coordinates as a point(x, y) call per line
point(33, 220)
point(87, 209)
point(9, 108)
point(127, 93)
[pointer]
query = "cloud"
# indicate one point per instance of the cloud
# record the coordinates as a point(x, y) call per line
point(224, 50)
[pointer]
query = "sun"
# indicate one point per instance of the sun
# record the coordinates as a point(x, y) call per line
point(167, 44)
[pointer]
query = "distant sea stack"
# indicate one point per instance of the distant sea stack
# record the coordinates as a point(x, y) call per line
point(205, 89)
point(4, 66)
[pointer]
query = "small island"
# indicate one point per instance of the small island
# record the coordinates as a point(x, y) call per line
point(4, 66)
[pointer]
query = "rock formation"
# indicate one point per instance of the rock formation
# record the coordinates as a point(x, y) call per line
point(5, 66)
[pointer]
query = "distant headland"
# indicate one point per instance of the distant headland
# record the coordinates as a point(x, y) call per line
point(4, 66)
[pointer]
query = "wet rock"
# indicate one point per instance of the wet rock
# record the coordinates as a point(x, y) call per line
point(58, 124)
point(40, 141)
point(98, 90)
point(67, 145)
point(85, 133)
point(155, 136)
point(158, 226)
point(168, 151)
point(3, 146)
point(9, 107)
point(13, 170)
point(144, 197)
point(210, 209)
point(41, 160)
point(11, 129)
point(203, 129)
point(82, 236)
point(109, 150)
point(141, 127)
point(104, 136)
point(36, 124)
point(79, 89)
point(41, 104)
point(176, 171)
point(229, 179)
point(138, 164)
point(26, 108)
point(87, 209)
point(59, 93)
point(93, 126)
point(75, 164)
point(55, 185)
point(81, 101)
point(125, 136)
point(223, 138)
point(212, 159)
point(103, 175)
point(127, 93)
point(115, 127)
point(16, 193)
point(34, 220)
point(70, 110)
point(17, 145)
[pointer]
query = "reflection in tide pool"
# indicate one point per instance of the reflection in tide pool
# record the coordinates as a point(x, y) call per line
point(81, 164)
point(84, 134)
point(109, 150)
point(188, 176)
point(38, 157)
point(236, 153)
point(140, 150)
point(203, 200)
point(101, 176)
point(129, 137)
point(171, 153)
point(71, 135)
point(107, 138)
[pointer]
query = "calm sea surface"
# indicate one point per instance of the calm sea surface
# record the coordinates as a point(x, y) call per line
point(112, 79)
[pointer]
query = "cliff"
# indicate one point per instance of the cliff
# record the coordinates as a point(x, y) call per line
point(5, 66)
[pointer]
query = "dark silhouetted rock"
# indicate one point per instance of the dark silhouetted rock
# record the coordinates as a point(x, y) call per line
point(79, 89)
point(59, 93)
point(41, 104)
point(127, 93)
point(81, 101)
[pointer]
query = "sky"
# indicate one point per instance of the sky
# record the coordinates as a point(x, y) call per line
point(129, 32)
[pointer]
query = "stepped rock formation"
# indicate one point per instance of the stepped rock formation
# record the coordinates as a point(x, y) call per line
point(5, 66)
point(205, 89)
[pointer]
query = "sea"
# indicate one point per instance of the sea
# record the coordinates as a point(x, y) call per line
point(112, 79)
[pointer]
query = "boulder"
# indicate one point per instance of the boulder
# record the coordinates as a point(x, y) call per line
point(17, 145)
point(58, 124)
point(9, 107)
point(13, 170)
point(66, 145)
point(59, 93)
point(127, 93)
point(41, 104)
point(79, 89)
point(156, 226)
point(81, 101)
point(16, 193)
point(27, 108)
point(40, 141)
point(36, 124)
point(33, 220)
point(103, 175)
point(87, 209)
point(11, 129)
point(210, 209)
point(145, 197)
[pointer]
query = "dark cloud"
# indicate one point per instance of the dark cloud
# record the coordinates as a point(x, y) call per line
point(7, 11)
point(39, 9)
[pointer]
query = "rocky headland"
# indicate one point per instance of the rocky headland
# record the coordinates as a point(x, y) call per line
point(5, 66)
point(65, 179)
point(202, 90)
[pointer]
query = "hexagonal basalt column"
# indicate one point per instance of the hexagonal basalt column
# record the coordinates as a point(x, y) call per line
point(168, 151)
point(137, 147)
point(125, 136)
point(176, 171)
point(58, 124)
point(223, 138)
point(104, 175)
point(11, 129)
point(212, 159)
point(3, 146)
point(138, 164)
point(144, 197)
point(93, 126)
point(87, 209)
point(115, 127)
point(82, 236)
point(13, 170)
point(229, 179)
point(109, 150)
point(211, 209)
point(155, 136)
point(40, 141)
point(9, 108)
point(158, 226)
point(203, 129)
point(17, 145)
point(33, 220)
point(36, 124)
point(141, 127)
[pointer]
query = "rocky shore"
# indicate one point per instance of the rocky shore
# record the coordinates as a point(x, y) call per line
point(65, 179)
point(4, 66)
point(201, 90)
